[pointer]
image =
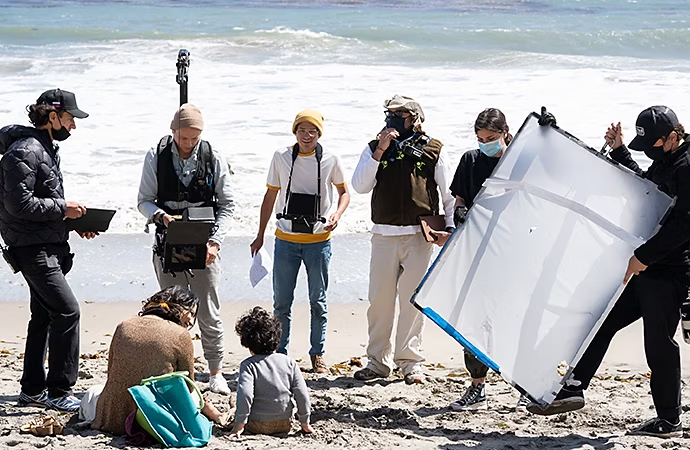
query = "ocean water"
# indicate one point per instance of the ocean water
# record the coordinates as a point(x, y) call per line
point(255, 64)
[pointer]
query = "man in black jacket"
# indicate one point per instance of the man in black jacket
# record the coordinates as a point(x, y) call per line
point(657, 276)
point(32, 213)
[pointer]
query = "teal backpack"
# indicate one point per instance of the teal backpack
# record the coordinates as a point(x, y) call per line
point(169, 413)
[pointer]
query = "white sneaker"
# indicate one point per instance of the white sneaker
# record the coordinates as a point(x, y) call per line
point(218, 384)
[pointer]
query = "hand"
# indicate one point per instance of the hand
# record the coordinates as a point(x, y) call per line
point(614, 136)
point(87, 234)
point(167, 218)
point(211, 252)
point(634, 268)
point(385, 138)
point(75, 210)
point(440, 237)
point(332, 222)
point(547, 119)
point(307, 428)
point(255, 246)
point(459, 215)
point(237, 430)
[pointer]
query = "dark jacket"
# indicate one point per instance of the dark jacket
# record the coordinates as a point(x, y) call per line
point(668, 251)
point(405, 189)
point(32, 200)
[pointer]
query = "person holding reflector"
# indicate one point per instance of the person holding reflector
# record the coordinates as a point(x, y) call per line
point(474, 168)
point(657, 276)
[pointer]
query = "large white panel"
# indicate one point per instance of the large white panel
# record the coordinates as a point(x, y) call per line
point(526, 281)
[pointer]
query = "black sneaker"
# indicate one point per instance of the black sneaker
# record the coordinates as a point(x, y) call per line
point(522, 404)
point(565, 401)
point(473, 400)
point(658, 427)
point(38, 400)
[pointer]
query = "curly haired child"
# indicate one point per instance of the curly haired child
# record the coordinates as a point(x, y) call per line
point(269, 383)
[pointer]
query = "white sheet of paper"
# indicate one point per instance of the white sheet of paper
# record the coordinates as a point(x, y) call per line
point(261, 266)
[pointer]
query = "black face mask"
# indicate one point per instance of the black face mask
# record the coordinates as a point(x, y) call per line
point(398, 123)
point(61, 134)
point(655, 153)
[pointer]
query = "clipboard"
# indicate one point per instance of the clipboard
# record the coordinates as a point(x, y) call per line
point(428, 223)
point(97, 220)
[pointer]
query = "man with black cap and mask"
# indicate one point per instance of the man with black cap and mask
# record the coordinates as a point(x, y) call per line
point(405, 171)
point(657, 276)
point(32, 213)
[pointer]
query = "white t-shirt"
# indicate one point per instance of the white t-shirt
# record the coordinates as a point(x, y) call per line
point(304, 181)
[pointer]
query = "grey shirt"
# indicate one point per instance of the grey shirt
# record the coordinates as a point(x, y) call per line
point(148, 188)
point(268, 387)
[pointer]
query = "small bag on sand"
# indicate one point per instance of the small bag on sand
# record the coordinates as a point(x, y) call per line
point(87, 406)
point(170, 413)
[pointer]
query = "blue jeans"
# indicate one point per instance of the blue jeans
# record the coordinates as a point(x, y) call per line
point(287, 259)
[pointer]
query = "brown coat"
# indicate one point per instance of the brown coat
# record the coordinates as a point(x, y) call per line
point(142, 347)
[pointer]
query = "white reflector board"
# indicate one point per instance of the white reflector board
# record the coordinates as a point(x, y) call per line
point(525, 283)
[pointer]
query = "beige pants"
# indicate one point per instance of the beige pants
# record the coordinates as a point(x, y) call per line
point(398, 264)
point(273, 427)
point(204, 284)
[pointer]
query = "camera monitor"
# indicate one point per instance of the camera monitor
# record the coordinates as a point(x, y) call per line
point(302, 204)
point(185, 245)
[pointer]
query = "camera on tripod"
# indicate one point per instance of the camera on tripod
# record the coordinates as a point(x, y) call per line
point(414, 146)
point(182, 246)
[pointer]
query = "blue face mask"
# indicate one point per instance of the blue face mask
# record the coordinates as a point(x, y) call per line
point(491, 149)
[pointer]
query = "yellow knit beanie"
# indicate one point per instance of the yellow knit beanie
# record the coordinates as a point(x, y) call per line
point(309, 115)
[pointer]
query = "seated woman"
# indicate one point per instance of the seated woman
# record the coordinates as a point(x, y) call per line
point(153, 343)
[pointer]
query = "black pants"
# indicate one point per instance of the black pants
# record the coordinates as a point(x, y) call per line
point(657, 301)
point(476, 368)
point(54, 323)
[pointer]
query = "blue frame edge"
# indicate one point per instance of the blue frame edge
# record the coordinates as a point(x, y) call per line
point(452, 332)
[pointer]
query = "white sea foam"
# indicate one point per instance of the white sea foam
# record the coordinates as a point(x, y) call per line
point(129, 89)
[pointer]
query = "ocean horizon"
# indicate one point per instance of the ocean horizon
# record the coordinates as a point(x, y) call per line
point(255, 64)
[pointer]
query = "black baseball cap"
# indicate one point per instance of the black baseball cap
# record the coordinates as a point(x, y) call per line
point(62, 101)
point(653, 123)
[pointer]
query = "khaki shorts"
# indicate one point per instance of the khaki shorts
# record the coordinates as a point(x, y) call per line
point(272, 427)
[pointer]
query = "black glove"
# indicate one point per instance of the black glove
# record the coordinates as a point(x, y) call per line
point(459, 215)
point(547, 118)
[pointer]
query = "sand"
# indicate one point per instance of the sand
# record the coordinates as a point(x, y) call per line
point(347, 413)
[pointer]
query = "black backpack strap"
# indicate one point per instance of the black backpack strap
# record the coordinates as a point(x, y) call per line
point(207, 162)
point(166, 141)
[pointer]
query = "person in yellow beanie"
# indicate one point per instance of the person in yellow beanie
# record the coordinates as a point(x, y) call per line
point(181, 172)
point(305, 175)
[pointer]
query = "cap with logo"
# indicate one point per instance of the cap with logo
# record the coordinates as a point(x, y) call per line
point(653, 123)
point(62, 101)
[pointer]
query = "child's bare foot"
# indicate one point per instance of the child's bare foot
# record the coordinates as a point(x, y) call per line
point(307, 428)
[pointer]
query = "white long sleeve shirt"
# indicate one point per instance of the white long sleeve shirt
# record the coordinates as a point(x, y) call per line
point(364, 180)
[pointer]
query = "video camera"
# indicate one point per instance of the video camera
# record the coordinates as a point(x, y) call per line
point(182, 246)
point(414, 146)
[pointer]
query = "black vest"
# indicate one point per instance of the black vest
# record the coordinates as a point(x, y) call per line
point(202, 187)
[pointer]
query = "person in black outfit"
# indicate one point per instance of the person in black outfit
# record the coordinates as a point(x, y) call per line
point(474, 168)
point(32, 213)
point(657, 276)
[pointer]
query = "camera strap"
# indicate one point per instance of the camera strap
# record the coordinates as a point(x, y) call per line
point(288, 192)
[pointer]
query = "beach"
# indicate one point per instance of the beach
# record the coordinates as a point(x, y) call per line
point(254, 65)
point(381, 414)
